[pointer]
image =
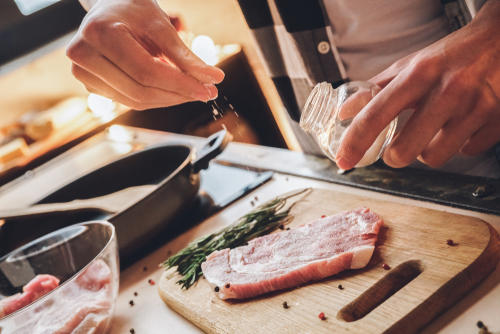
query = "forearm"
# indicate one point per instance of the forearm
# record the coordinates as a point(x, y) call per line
point(87, 4)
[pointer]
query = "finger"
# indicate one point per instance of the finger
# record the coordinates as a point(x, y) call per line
point(482, 140)
point(452, 137)
point(175, 49)
point(373, 119)
point(355, 103)
point(436, 110)
point(96, 85)
point(386, 76)
point(489, 134)
point(131, 58)
point(114, 77)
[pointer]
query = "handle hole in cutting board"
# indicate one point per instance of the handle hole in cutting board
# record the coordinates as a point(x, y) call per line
point(381, 291)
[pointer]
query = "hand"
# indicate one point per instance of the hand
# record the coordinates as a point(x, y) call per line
point(129, 51)
point(454, 87)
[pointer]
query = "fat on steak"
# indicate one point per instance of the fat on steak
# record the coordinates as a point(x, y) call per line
point(293, 257)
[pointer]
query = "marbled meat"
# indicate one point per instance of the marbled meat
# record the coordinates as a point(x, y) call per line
point(293, 257)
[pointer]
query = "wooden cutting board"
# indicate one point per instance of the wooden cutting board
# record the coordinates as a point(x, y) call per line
point(427, 276)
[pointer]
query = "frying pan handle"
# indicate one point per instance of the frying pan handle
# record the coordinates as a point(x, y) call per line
point(216, 143)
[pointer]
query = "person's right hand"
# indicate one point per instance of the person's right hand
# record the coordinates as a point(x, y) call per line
point(129, 51)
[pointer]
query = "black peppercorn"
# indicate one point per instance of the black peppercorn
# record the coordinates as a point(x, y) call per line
point(132, 331)
point(340, 287)
point(281, 227)
point(216, 289)
point(131, 303)
point(135, 294)
point(480, 324)
point(228, 286)
point(285, 305)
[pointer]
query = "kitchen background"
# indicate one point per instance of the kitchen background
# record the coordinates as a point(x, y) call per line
point(35, 75)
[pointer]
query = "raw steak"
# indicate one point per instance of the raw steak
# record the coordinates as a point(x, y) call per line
point(37, 287)
point(290, 258)
point(83, 305)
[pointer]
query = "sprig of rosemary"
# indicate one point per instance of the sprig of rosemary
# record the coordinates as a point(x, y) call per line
point(259, 221)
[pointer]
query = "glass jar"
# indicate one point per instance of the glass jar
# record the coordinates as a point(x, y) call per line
point(328, 112)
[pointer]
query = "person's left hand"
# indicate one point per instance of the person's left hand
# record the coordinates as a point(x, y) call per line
point(454, 87)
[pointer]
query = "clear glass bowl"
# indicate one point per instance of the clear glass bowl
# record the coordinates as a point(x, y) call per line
point(84, 257)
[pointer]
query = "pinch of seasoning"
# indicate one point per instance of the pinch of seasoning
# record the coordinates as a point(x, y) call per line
point(151, 282)
point(132, 331)
point(216, 289)
point(322, 316)
point(131, 302)
point(135, 294)
point(386, 266)
point(281, 227)
point(285, 305)
point(450, 242)
point(227, 286)
point(340, 287)
point(287, 228)
point(480, 324)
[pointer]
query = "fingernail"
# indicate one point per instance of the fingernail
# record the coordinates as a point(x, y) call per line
point(343, 163)
point(218, 75)
point(212, 91)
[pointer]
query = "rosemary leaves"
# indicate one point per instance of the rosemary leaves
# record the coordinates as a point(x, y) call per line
point(262, 220)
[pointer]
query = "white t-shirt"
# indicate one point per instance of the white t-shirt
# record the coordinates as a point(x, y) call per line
point(370, 35)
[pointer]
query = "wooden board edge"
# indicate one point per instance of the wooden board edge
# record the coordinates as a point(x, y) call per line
point(182, 310)
point(453, 290)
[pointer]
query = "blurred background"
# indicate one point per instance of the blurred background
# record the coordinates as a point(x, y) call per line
point(45, 111)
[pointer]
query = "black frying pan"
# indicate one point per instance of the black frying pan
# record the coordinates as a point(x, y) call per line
point(174, 168)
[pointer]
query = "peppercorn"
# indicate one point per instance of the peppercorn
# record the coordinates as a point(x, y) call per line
point(131, 303)
point(287, 228)
point(144, 268)
point(216, 289)
point(285, 305)
point(450, 242)
point(322, 316)
point(480, 324)
point(281, 227)
point(256, 198)
point(228, 286)
point(135, 294)
point(151, 282)
point(340, 287)
point(386, 266)
point(132, 331)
